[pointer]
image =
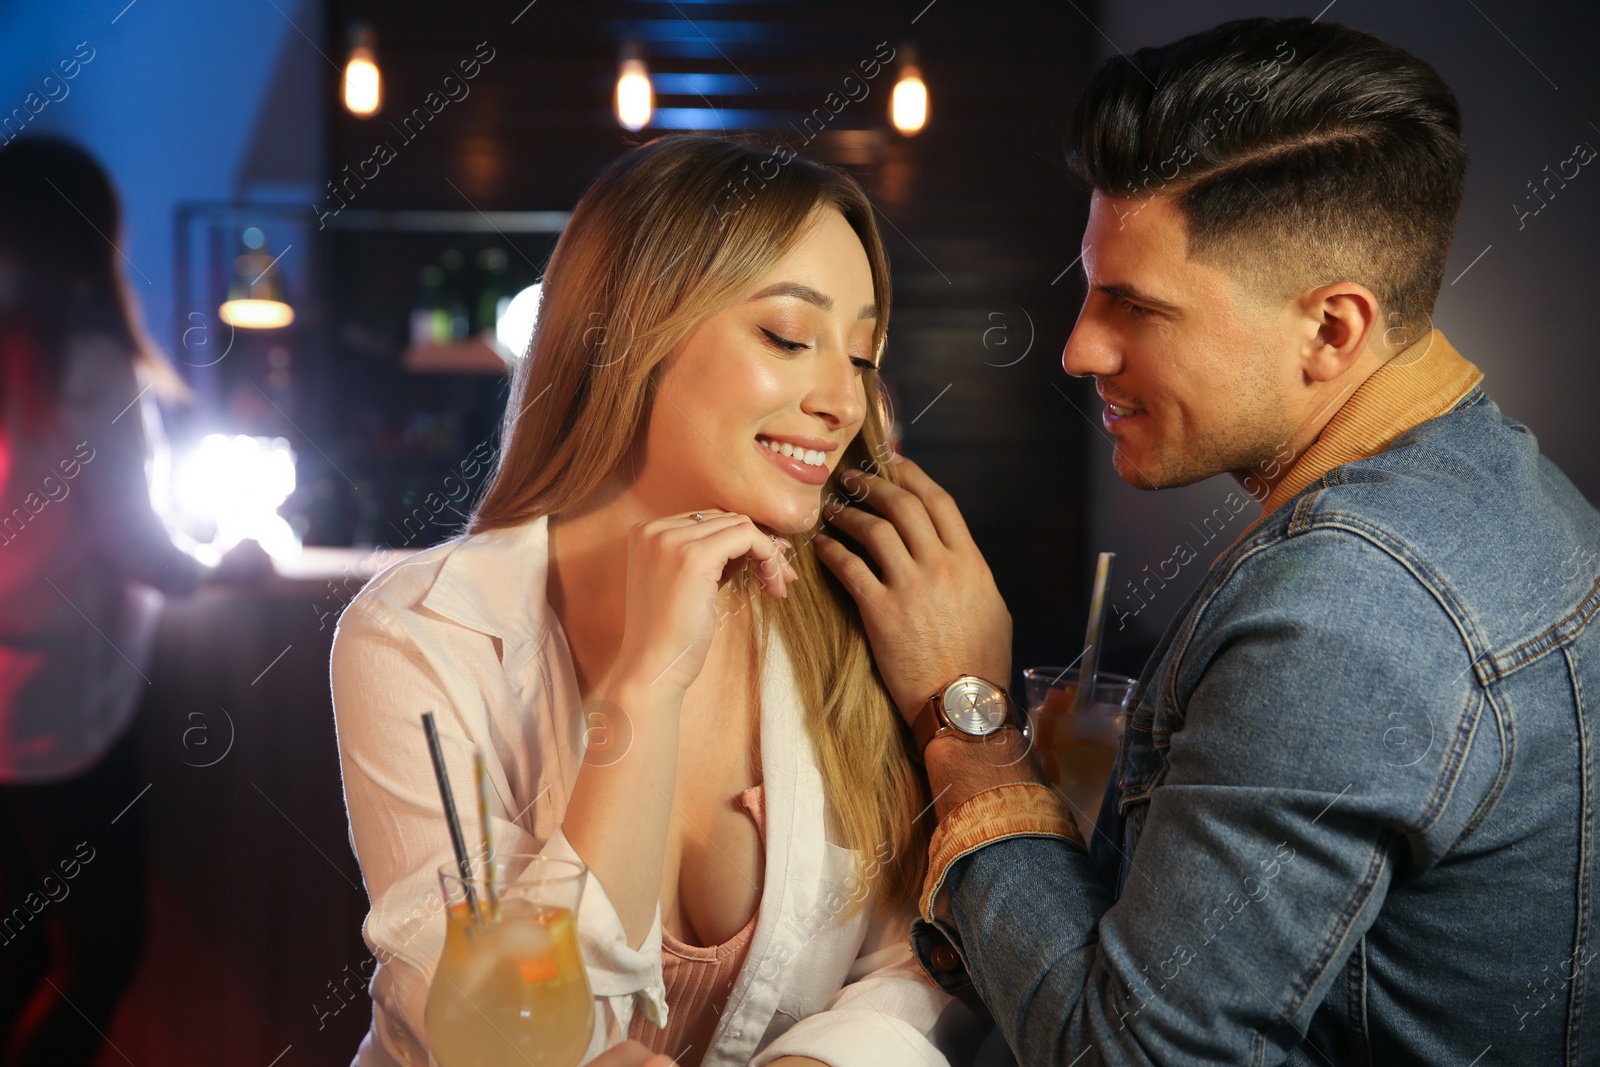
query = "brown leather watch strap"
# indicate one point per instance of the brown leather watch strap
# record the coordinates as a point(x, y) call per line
point(927, 725)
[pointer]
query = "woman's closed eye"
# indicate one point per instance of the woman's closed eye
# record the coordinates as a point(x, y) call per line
point(784, 344)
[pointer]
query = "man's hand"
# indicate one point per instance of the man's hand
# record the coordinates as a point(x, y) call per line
point(936, 613)
point(242, 564)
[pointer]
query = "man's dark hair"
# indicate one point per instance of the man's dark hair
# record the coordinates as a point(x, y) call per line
point(1300, 153)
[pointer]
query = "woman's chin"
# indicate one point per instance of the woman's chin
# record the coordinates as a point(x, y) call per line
point(788, 519)
point(787, 528)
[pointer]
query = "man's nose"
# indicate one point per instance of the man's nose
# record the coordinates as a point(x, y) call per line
point(1090, 352)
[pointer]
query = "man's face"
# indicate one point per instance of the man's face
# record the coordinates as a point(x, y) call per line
point(1199, 374)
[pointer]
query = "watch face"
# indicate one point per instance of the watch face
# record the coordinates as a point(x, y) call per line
point(975, 707)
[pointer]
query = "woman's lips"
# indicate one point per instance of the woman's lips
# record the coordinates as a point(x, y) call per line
point(796, 469)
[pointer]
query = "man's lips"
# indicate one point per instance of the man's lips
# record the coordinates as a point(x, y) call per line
point(1117, 416)
point(1118, 407)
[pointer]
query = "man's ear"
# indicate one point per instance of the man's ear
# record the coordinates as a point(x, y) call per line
point(1344, 319)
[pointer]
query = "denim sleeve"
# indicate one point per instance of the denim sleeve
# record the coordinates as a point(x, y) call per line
point(1284, 805)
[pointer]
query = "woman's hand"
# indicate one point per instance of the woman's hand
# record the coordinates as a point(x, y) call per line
point(632, 1054)
point(675, 566)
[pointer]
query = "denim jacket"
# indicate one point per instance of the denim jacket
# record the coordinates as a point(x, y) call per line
point(1354, 815)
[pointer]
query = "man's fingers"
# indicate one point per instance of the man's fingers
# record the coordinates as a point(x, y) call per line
point(906, 511)
point(940, 505)
point(848, 567)
point(878, 536)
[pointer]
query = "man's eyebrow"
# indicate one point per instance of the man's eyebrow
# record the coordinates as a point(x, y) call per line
point(810, 296)
point(1126, 291)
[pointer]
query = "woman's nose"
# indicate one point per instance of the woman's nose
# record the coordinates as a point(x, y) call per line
point(836, 395)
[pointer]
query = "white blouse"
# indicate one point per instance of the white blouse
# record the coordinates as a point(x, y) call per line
point(463, 630)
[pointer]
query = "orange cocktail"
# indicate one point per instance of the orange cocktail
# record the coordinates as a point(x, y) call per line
point(1078, 749)
point(510, 987)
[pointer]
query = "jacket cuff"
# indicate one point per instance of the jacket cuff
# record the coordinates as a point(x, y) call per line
point(1017, 809)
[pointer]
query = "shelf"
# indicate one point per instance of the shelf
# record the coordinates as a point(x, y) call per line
point(473, 355)
point(501, 222)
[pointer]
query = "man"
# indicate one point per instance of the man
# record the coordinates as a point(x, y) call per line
point(1353, 817)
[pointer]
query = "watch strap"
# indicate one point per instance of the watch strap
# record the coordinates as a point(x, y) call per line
point(931, 722)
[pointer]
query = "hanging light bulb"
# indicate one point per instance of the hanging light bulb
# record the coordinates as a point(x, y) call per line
point(256, 298)
point(635, 97)
point(363, 85)
point(908, 106)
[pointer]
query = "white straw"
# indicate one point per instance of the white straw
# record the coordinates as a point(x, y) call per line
point(1089, 663)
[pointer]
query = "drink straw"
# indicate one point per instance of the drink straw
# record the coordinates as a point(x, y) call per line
point(480, 771)
point(1088, 667)
point(459, 843)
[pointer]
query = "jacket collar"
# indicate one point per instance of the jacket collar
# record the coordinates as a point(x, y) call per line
point(1419, 383)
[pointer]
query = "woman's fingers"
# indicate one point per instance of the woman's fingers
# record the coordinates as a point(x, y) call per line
point(632, 1054)
point(675, 566)
point(725, 538)
point(745, 540)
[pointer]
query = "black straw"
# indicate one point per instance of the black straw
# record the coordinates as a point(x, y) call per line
point(458, 842)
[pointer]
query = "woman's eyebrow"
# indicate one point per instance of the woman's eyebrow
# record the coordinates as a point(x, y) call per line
point(811, 296)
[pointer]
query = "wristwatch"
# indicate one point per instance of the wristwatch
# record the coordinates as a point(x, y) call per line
point(970, 708)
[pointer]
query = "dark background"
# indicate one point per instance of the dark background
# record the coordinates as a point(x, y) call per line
point(972, 209)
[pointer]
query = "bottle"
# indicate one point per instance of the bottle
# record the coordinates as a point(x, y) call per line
point(492, 296)
point(430, 320)
point(455, 295)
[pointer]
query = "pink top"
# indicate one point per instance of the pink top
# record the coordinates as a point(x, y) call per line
point(698, 980)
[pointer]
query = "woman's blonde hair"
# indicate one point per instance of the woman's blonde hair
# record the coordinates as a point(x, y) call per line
point(669, 234)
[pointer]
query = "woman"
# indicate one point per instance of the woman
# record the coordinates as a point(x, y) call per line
point(667, 685)
point(83, 561)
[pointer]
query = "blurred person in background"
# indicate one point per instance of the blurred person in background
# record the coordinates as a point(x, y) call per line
point(84, 561)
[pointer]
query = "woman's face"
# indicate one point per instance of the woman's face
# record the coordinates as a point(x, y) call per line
point(785, 365)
